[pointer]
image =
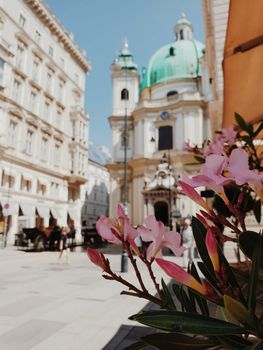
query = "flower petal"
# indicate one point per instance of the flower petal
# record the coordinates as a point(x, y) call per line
point(172, 240)
point(97, 258)
point(192, 193)
point(238, 167)
point(211, 245)
point(104, 226)
point(181, 276)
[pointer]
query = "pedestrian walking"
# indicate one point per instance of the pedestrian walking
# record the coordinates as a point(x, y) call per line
point(63, 245)
point(188, 242)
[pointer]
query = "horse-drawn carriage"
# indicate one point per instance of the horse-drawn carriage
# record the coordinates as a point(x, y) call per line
point(39, 239)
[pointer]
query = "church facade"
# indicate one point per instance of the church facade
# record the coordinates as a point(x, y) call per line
point(153, 115)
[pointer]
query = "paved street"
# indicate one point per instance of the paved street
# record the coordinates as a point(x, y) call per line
point(47, 305)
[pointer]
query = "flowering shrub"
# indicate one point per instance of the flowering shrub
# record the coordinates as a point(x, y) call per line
point(212, 304)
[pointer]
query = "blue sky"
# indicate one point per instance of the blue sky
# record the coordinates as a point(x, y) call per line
point(99, 27)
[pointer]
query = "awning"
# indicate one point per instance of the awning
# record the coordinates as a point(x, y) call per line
point(9, 207)
point(28, 210)
point(243, 56)
point(73, 213)
point(43, 211)
point(55, 213)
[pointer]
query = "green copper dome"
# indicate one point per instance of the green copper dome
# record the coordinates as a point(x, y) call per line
point(177, 60)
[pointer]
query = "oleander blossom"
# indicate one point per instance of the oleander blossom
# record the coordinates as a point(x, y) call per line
point(116, 230)
point(154, 231)
point(210, 174)
point(227, 136)
point(238, 167)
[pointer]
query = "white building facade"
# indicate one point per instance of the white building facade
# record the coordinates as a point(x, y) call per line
point(215, 23)
point(159, 112)
point(44, 128)
point(96, 195)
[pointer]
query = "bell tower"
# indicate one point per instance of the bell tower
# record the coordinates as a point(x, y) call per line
point(125, 95)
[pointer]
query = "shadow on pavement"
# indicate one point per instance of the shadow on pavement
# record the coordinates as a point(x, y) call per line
point(128, 335)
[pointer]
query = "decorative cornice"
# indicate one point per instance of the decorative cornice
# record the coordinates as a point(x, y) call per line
point(44, 14)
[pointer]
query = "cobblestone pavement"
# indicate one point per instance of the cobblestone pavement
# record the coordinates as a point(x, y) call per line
point(45, 304)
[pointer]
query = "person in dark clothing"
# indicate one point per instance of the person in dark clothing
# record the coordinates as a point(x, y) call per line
point(63, 244)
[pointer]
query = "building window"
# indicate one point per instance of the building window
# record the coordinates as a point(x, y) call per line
point(2, 66)
point(49, 81)
point(57, 155)
point(47, 109)
point(12, 131)
point(26, 185)
point(76, 78)
point(72, 161)
point(50, 51)
point(41, 189)
point(60, 90)
point(22, 20)
point(74, 129)
point(35, 69)
point(181, 33)
point(8, 181)
point(29, 142)
point(37, 37)
point(62, 62)
point(58, 121)
point(20, 56)
point(165, 137)
point(44, 149)
point(16, 90)
point(124, 94)
point(172, 93)
point(33, 101)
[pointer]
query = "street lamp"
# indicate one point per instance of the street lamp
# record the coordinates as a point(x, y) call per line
point(124, 256)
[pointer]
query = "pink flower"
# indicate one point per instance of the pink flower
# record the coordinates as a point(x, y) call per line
point(216, 147)
point(154, 231)
point(191, 193)
point(210, 175)
point(116, 230)
point(211, 245)
point(229, 135)
point(238, 167)
point(98, 259)
point(181, 276)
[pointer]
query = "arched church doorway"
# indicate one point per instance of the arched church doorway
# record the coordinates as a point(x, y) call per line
point(161, 212)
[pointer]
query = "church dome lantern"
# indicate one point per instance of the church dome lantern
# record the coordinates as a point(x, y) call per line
point(176, 60)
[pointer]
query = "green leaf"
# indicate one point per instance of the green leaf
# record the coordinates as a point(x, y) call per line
point(252, 287)
point(184, 322)
point(211, 278)
point(167, 296)
point(243, 124)
point(248, 140)
point(177, 341)
point(199, 232)
point(230, 274)
point(257, 346)
point(248, 241)
point(235, 341)
point(136, 346)
point(257, 210)
point(260, 127)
